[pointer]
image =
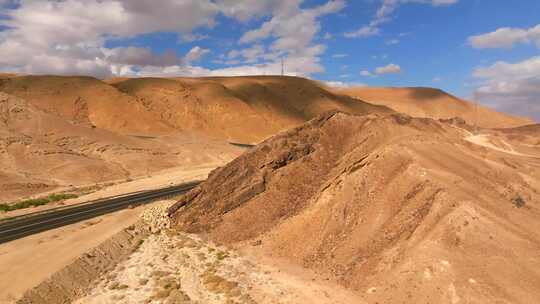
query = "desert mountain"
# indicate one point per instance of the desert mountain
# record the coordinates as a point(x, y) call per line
point(85, 100)
point(434, 103)
point(59, 131)
point(79, 130)
point(40, 151)
point(392, 207)
point(238, 108)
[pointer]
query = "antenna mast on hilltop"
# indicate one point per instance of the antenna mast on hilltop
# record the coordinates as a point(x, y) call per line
point(282, 67)
point(476, 116)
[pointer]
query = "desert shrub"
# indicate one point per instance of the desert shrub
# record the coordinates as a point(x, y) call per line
point(36, 201)
point(518, 201)
point(61, 196)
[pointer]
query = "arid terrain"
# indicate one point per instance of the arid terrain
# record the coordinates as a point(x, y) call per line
point(363, 195)
point(434, 103)
point(59, 132)
point(392, 207)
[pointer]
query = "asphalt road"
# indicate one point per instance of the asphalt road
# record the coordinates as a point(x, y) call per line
point(17, 227)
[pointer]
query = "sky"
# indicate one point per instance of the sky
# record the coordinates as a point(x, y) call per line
point(482, 50)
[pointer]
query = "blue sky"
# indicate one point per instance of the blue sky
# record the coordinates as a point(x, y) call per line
point(487, 50)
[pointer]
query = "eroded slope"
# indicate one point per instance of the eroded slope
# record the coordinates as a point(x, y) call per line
point(392, 207)
point(41, 151)
point(238, 108)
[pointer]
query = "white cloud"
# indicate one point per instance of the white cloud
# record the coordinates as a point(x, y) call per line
point(388, 69)
point(365, 73)
point(340, 55)
point(196, 53)
point(139, 56)
point(293, 30)
point(244, 10)
point(70, 37)
point(436, 79)
point(7, 3)
point(502, 70)
point(384, 14)
point(392, 41)
point(506, 38)
point(363, 32)
point(191, 37)
point(341, 84)
point(195, 71)
point(251, 55)
point(511, 87)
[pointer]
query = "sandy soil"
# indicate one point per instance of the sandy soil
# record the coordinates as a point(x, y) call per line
point(47, 252)
point(57, 248)
point(175, 267)
point(28, 261)
point(485, 141)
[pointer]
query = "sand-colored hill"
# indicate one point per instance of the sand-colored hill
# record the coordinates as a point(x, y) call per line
point(41, 151)
point(394, 208)
point(238, 108)
point(117, 128)
point(81, 130)
point(434, 103)
point(85, 100)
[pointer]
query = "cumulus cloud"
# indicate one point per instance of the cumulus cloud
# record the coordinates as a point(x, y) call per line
point(68, 37)
point(140, 56)
point(196, 54)
point(272, 68)
point(191, 37)
point(342, 85)
point(384, 14)
point(244, 10)
point(391, 68)
point(507, 71)
point(71, 36)
point(292, 30)
point(7, 3)
point(511, 87)
point(388, 69)
point(364, 31)
point(251, 54)
point(506, 37)
point(365, 73)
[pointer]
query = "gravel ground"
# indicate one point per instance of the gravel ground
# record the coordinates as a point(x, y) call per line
point(174, 267)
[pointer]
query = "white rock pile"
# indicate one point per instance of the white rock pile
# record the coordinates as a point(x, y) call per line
point(156, 217)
